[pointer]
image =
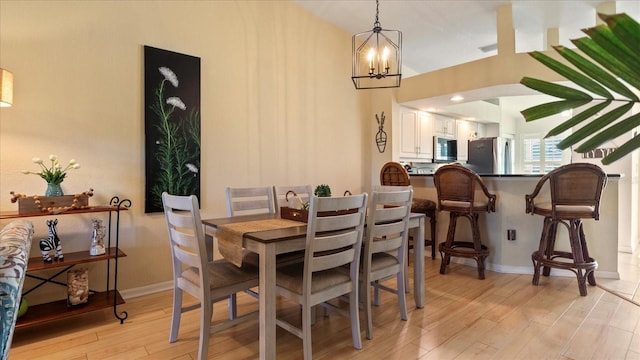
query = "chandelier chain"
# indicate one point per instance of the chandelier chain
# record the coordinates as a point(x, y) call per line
point(377, 23)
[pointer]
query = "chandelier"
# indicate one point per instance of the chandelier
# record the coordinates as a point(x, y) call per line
point(377, 57)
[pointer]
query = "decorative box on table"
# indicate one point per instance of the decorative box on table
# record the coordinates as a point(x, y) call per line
point(51, 204)
point(303, 215)
point(295, 210)
point(294, 214)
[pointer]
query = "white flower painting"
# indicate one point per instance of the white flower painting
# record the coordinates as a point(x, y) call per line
point(172, 126)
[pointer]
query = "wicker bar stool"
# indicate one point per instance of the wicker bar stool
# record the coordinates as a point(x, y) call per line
point(394, 174)
point(575, 195)
point(456, 187)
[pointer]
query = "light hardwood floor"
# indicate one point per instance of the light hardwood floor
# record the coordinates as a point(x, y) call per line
point(629, 283)
point(501, 317)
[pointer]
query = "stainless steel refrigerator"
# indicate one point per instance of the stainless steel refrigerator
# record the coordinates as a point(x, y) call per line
point(491, 155)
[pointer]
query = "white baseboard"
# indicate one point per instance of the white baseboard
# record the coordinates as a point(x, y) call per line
point(528, 270)
point(146, 290)
point(525, 270)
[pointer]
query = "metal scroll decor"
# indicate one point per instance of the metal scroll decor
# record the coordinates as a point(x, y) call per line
point(598, 153)
point(381, 136)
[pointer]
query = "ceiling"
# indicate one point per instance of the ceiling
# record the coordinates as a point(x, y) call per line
point(441, 33)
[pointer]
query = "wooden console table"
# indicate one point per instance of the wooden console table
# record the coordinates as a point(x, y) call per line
point(98, 300)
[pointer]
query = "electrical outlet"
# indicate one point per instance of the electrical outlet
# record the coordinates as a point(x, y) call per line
point(511, 234)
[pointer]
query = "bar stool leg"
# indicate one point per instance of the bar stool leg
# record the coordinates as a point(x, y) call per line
point(578, 254)
point(551, 245)
point(434, 242)
point(444, 254)
point(543, 250)
point(585, 251)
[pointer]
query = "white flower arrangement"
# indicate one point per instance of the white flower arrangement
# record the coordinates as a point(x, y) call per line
point(55, 173)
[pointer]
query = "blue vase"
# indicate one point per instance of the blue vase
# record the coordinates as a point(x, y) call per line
point(53, 190)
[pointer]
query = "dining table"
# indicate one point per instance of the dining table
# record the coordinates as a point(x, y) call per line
point(270, 243)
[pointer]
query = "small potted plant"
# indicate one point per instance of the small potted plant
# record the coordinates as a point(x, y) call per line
point(322, 190)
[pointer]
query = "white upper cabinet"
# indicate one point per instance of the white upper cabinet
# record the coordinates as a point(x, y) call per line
point(445, 126)
point(416, 135)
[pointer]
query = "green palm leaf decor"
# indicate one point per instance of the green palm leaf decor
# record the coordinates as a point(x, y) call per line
point(607, 69)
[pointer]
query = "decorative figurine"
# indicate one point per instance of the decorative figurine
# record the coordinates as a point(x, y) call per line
point(51, 243)
point(97, 238)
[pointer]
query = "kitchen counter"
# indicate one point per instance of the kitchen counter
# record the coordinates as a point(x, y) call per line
point(537, 176)
point(509, 256)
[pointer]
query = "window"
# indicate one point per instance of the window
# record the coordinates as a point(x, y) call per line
point(541, 155)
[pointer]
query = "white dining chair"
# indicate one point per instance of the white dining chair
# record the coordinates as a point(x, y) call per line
point(208, 282)
point(331, 243)
point(249, 200)
point(257, 200)
point(385, 248)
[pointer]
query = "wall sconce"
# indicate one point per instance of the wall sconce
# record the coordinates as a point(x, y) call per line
point(377, 57)
point(6, 88)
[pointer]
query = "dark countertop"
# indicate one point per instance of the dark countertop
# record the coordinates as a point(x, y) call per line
point(511, 175)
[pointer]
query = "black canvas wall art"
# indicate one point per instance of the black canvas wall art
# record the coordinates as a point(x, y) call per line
point(172, 125)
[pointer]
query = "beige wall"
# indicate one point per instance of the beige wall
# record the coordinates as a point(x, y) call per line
point(278, 107)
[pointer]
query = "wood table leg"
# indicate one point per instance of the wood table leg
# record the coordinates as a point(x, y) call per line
point(418, 270)
point(209, 235)
point(267, 302)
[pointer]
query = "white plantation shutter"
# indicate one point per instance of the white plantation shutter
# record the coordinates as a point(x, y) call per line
point(541, 155)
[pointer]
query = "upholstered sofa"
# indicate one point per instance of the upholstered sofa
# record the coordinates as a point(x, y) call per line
point(15, 244)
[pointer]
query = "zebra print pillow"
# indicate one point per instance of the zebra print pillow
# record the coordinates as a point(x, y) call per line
point(15, 244)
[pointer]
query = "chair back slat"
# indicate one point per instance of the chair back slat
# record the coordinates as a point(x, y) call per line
point(249, 201)
point(394, 211)
point(332, 260)
point(187, 258)
point(387, 244)
point(387, 230)
point(335, 240)
point(180, 219)
point(184, 239)
point(329, 222)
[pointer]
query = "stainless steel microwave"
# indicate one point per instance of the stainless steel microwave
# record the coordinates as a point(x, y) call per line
point(445, 150)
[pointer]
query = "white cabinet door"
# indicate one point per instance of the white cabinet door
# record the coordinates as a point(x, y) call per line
point(425, 141)
point(408, 125)
point(416, 135)
point(463, 138)
point(445, 126)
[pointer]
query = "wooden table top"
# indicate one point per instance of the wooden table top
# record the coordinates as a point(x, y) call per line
point(269, 235)
point(264, 235)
